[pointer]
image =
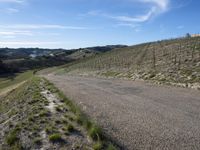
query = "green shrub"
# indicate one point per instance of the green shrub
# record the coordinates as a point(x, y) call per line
point(57, 121)
point(111, 147)
point(95, 133)
point(55, 138)
point(38, 141)
point(70, 128)
point(12, 138)
point(98, 146)
point(50, 129)
point(58, 109)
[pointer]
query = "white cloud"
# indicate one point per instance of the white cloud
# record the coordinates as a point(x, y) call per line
point(8, 37)
point(14, 33)
point(128, 24)
point(180, 27)
point(161, 5)
point(42, 26)
point(141, 18)
point(9, 10)
point(135, 27)
point(156, 7)
point(27, 43)
point(13, 1)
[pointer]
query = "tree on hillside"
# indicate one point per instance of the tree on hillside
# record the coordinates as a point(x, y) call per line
point(2, 67)
point(188, 35)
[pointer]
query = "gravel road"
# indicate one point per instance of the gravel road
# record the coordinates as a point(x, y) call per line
point(138, 115)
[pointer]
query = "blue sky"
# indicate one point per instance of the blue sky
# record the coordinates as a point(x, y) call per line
point(82, 23)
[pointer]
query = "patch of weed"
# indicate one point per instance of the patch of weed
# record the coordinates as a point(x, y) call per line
point(95, 133)
point(38, 141)
point(70, 128)
point(111, 147)
point(98, 146)
point(55, 138)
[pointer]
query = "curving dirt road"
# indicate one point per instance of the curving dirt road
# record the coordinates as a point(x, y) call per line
point(138, 115)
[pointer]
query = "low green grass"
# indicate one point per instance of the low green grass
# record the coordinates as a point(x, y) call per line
point(70, 128)
point(110, 74)
point(111, 147)
point(55, 138)
point(38, 141)
point(9, 81)
point(12, 137)
point(98, 146)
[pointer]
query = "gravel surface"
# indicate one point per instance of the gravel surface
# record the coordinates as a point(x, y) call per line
point(138, 115)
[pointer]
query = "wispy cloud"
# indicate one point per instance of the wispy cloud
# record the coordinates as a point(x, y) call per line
point(14, 33)
point(42, 26)
point(12, 1)
point(27, 43)
point(155, 7)
point(128, 24)
point(9, 10)
point(139, 19)
point(161, 5)
point(180, 27)
point(136, 27)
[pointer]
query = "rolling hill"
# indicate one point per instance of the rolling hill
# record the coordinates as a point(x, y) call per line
point(175, 61)
point(22, 59)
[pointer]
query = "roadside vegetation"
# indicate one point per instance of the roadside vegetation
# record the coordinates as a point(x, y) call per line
point(36, 115)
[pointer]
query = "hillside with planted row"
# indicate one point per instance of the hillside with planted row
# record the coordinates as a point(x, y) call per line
point(175, 61)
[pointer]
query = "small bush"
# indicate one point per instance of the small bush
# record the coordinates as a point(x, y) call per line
point(95, 133)
point(31, 119)
point(12, 138)
point(44, 113)
point(88, 125)
point(55, 138)
point(81, 119)
point(65, 121)
point(111, 147)
point(58, 109)
point(98, 146)
point(70, 128)
point(38, 141)
point(57, 121)
point(50, 129)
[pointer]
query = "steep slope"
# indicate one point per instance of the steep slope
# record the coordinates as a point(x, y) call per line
point(174, 61)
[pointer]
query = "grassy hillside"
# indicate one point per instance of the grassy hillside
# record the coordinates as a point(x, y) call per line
point(36, 115)
point(10, 83)
point(12, 80)
point(174, 61)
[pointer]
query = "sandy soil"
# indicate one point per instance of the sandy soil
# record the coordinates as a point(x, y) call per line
point(138, 115)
